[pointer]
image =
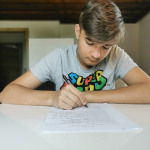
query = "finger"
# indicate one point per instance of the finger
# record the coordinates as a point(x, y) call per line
point(63, 98)
point(66, 106)
point(74, 100)
point(77, 93)
point(70, 102)
point(84, 100)
point(70, 97)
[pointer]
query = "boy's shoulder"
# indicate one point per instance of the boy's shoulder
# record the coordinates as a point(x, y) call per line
point(61, 51)
point(66, 48)
point(67, 51)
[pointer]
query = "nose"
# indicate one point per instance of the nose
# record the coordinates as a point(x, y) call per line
point(95, 54)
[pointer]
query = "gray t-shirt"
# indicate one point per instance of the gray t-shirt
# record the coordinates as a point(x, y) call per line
point(63, 61)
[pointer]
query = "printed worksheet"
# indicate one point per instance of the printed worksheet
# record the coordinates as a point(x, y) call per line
point(97, 117)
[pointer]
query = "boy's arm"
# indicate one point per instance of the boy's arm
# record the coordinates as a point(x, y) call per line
point(21, 91)
point(137, 91)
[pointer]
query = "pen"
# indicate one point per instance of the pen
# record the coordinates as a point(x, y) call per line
point(68, 82)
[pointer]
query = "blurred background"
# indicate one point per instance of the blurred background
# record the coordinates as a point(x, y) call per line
point(24, 21)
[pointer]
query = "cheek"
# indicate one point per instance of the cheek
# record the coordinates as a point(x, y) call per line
point(84, 49)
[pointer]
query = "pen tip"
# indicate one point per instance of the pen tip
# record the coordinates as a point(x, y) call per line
point(86, 106)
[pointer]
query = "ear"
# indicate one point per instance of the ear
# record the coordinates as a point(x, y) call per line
point(77, 30)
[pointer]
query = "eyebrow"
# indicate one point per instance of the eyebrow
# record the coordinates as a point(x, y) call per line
point(108, 44)
point(89, 39)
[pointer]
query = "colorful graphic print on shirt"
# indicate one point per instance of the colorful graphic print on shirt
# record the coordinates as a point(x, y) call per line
point(93, 82)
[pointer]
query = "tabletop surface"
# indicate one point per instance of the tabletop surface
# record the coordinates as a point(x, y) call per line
point(20, 129)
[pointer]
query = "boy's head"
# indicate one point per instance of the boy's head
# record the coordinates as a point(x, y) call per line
point(102, 21)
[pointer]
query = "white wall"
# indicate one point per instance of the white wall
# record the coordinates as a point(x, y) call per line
point(37, 29)
point(144, 43)
point(38, 48)
point(68, 31)
point(52, 29)
point(131, 41)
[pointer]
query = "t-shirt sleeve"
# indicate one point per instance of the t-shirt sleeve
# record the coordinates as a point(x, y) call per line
point(44, 70)
point(124, 64)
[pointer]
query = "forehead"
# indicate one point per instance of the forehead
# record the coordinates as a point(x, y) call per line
point(107, 43)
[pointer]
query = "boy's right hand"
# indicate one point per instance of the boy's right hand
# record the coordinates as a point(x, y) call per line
point(68, 97)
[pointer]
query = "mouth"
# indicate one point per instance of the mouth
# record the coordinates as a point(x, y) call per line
point(93, 60)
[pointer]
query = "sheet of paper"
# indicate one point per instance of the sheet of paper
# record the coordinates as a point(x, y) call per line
point(97, 117)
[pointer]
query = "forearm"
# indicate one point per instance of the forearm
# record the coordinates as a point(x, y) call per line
point(139, 93)
point(17, 94)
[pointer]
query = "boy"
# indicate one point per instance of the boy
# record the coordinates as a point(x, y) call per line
point(92, 66)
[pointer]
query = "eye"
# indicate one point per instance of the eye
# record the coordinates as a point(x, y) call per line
point(89, 43)
point(105, 47)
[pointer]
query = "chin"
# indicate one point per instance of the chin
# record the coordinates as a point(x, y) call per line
point(93, 64)
point(90, 65)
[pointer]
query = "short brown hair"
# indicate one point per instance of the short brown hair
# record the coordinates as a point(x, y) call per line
point(102, 21)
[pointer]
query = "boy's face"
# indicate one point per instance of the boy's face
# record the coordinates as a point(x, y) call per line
point(90, 53)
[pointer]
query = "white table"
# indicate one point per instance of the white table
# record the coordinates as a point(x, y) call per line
point(20, 128)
